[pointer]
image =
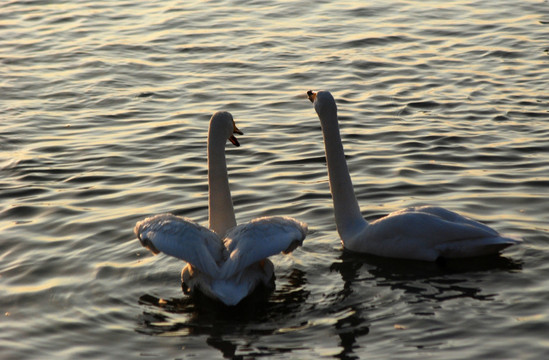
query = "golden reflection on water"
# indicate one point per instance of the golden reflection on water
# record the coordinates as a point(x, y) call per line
point(105, 113)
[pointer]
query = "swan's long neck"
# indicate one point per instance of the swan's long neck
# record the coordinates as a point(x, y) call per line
point(348, 218)
point(220, 204)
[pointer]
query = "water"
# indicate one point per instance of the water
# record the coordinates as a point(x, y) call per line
point(105, 108)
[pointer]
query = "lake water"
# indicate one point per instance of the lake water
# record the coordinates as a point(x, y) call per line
point(104, 116)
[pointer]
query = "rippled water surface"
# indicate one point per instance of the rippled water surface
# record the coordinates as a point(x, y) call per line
point(104, 114)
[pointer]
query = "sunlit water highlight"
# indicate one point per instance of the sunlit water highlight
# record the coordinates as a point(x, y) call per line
point(105, 107)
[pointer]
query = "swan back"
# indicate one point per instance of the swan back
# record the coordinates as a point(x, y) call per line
point(232, 291)
point(427, 233)
point(229, 291)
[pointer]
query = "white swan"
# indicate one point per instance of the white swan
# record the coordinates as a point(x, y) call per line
point(420, 233)
point(226, 262)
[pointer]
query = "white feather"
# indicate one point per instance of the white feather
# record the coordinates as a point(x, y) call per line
point(421, 233)
point(182, 238)
point(241, 251)
point(259, 239)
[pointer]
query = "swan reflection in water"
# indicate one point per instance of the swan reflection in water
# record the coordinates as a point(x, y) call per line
point(414, 277)
point(257, 315)
point(354, 307)
point(422, 285)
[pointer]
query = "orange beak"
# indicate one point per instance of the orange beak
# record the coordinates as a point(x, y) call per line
point(233, 138)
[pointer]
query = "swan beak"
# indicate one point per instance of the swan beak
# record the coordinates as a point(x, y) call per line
point(233, 138)
point(237, 130)
point(148, 244)
point(292, 246)
point(234, 141)
point(311, 95)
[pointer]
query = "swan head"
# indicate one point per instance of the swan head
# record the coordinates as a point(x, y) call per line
point(323, 102)
point(224, 121)
point(141, 231)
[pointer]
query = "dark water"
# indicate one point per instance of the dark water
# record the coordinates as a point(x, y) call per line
point(104, 113)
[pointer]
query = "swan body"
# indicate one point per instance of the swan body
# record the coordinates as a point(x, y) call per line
point(225, 261)
point(420, 233)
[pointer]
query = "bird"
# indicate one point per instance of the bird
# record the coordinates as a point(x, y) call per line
point(225, 261)
point(424, 232)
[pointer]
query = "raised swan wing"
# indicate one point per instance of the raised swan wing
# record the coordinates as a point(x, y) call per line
point(260, 238)
point(181, 238)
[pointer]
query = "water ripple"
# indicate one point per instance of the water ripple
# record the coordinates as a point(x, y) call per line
point(105, 114)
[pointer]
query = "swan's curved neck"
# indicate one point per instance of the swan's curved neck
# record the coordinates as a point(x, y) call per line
point(348, 218)
point(220, 204)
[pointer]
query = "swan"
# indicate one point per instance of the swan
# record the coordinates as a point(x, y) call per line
point(226, 261)
point(418, 233)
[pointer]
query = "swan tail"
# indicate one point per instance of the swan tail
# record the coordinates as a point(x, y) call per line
point(230, 292)
point(476, 247)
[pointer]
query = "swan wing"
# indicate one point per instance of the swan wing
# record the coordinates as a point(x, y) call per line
point(260, 238)
point(428, 233)
point(181, 238)
point(485, 244)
